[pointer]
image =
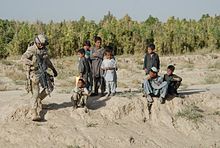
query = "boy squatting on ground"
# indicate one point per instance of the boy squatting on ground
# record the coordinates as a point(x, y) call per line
point(151, 59)
point(84, 67)
point(109, 67)
point(155, 86)
point(80, 95)
point(172, 80)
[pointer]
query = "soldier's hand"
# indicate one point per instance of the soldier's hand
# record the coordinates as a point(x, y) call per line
point(55, 73)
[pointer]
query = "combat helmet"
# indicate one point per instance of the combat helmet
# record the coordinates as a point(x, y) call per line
point(41, 39)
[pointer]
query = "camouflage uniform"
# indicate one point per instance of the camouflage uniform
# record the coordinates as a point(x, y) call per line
point(29, 58)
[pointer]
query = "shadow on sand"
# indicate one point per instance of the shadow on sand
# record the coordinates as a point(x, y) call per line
point(96, 102)
point(53, 106)
point(185, 92)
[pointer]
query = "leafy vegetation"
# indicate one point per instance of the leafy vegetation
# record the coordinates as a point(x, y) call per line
point(191, 112)
point(216, 113)
point(91, 124)
point(212, 79)
point(71, 146)
point(175, 36)
point(215, 65)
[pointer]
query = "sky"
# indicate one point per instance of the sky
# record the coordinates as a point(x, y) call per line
point(59, 10)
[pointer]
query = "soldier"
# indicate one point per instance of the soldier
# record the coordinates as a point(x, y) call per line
point(97, 54)
point(37, 61)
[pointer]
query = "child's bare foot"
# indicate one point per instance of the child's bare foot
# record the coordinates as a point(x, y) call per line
point(86, 109)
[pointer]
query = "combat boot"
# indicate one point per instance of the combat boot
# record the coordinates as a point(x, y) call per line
point(35, 116)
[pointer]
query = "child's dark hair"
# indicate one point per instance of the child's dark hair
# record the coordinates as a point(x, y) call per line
point(97, 38)
point(82, 81)
point(108, 50)
point(171, 67)
point(82, 51)
point(151, 46)
point(87, 43)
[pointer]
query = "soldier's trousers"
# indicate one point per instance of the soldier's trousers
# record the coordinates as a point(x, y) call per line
point(37, 96)
point(79, 100)
point(99, 82)
point(149, 90)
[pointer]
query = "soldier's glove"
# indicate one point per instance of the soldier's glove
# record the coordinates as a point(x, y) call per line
point(55, 72)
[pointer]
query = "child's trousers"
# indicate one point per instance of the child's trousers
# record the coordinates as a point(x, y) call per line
point(79, 100)
point(111, 86)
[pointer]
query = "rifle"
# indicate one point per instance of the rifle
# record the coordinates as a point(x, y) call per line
point(28, 85)
point(44, 76)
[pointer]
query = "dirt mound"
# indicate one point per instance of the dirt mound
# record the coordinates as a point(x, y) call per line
point(21, 113)
point(120, 121)
point(120, 107)
point(191, 120)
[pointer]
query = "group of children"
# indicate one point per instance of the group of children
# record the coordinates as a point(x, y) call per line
point(155, 85)
point(97, 69)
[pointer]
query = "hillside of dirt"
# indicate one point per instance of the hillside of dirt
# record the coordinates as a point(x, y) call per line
point(189, 120)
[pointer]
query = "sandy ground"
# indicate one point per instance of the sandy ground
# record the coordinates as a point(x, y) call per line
point(123, 120)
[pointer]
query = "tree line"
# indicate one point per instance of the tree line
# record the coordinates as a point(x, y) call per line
point(127, 36)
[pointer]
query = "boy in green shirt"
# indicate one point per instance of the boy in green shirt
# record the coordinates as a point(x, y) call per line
point(173, 80)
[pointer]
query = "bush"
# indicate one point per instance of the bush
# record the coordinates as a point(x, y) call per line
point(3, 53)
point(191, 112)
point(215, 65)
point(216, 113)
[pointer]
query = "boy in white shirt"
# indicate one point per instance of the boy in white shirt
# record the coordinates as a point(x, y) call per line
point(109, 67)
